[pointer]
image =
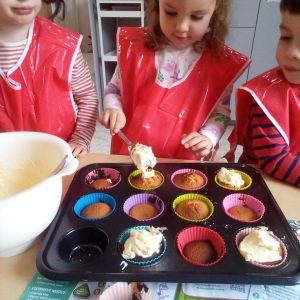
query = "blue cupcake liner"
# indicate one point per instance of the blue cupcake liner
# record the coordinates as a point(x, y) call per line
point(142, 261)
point(89, 199)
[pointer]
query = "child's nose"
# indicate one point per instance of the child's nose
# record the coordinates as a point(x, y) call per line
point(182, 25)
point(294, 52)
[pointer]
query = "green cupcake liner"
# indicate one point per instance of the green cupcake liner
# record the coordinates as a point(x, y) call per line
point(192, 196)
point(245, 177)
point(138, 172)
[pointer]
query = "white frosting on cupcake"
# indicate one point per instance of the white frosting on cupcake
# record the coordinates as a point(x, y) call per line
point(143, 243)
point(230, 177)
point(260, 245)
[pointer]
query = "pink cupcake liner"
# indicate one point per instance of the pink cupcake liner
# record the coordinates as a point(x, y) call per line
point(144, 198)
point(243, 199)
point(244, 232)
point(197, 233)
point(105, 173)
point(184, 171)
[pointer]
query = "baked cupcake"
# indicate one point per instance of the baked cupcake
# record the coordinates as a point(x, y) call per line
point(193, 207)
point(243, 207)
point(143, 207)
point(103, 178)
point(259, 246)
point(189, 179)
point(200, 246)
point(95, 206)
point(138, 180)
point(142, 245)
point(233, 179)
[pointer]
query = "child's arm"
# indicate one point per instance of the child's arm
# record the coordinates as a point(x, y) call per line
point(265, 146)
point(203, 143)
point(113, 116)
point(85, 96)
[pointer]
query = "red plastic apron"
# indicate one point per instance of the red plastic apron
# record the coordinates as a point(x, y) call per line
point(158, 116)
point(280, 101)
point(35, 94)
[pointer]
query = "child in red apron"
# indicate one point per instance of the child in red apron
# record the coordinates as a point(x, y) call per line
point(172, 86)
point(268, 107)
point(40, 66)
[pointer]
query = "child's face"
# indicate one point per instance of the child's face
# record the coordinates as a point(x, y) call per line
point(18, 12)
point(288, 49)
point(184, 22)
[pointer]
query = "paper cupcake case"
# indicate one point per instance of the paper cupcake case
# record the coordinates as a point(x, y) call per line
point(78, 249)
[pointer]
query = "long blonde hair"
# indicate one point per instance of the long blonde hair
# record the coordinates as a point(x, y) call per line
point(218, 26)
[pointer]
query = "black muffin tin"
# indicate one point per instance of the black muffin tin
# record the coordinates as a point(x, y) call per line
point(62, 258)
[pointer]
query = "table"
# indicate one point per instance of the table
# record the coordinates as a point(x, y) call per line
point(16, 272)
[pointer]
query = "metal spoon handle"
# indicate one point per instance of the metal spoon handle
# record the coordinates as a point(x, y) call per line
point(124, 138)
point(59, 166)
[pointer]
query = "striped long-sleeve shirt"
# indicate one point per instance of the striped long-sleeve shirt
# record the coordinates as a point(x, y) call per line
point(265, 146)
point(82, 88)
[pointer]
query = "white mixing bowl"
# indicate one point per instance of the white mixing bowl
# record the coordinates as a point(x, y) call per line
point(29, 199)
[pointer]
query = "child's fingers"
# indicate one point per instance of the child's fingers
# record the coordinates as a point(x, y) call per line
point(104, 119)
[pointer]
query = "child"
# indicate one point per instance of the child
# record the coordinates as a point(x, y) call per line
point(268, 107)
point(45, 82)
point(172, 87)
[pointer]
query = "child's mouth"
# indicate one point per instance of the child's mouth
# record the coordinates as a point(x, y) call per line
point(22, 11)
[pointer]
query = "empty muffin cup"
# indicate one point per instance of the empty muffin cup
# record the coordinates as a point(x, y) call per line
point(193, 207)
point(139, 260)
point(243, 207)
point(103, 178)
point(94, 207)
point(189, 179)
point(143, 207)
point(247, 182)
point(83, 245)
point(261, 249)
point(138, 181)
point(213, 251)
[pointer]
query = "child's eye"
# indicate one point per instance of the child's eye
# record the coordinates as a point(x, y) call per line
point(285, 38)
point(196, 18)
point(171, 13)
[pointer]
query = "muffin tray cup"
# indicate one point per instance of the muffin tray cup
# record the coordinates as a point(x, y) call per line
point(79, 249)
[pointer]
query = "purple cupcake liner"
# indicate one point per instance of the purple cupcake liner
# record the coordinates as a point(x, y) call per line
point(243, 199)
point(144, 198)
point(103, 173)
point(244, 232)
point(185, 171)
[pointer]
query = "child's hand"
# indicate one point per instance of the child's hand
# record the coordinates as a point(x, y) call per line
point(78, 150)
point(113, 119)
point(199, 144)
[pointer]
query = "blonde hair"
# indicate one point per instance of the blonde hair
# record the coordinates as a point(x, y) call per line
point(218, 26)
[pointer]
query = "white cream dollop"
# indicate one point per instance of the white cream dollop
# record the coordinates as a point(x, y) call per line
point(143, 243)
point(230, 177)
point(143, 157)
point(261, 246)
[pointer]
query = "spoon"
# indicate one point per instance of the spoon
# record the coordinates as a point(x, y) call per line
point(125, 139)
point(59, 166)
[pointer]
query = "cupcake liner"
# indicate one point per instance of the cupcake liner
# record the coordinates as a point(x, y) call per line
point(244, 199)
point(139, 260)
point(144, 199)
point(192, 196)
point(245, 177)
point(185, 171)
point(137, 172)
point(89, 199)
point(105, 173)
point(197, 233)
point(123, 291)
point(244, 232)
